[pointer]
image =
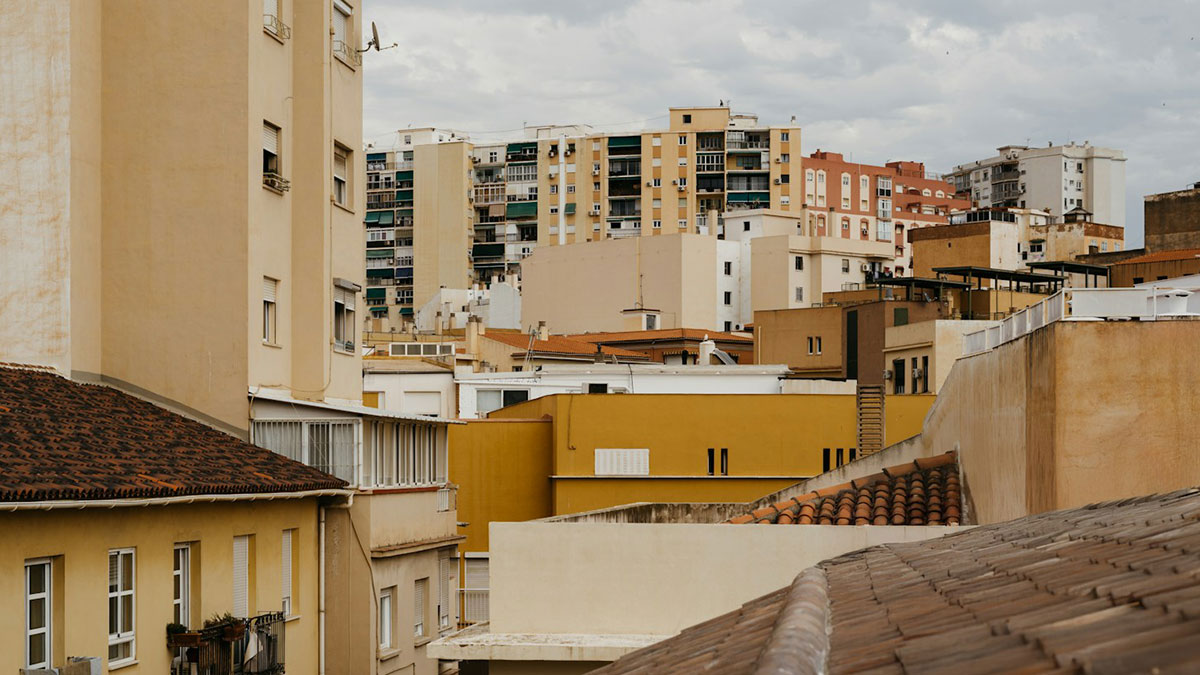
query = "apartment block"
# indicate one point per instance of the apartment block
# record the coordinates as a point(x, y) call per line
point(875, 203)
point(1173, 219)
point(558, 185)
point(1054, 179)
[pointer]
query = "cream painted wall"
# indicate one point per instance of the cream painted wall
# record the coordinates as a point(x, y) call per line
point(442, 231)
point(79, 541)
point(653, 578)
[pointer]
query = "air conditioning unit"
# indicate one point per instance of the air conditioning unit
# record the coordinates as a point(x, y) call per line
point(553, 151)
point(568, 152)
point(593, 212)
point(476, 160)
point(887, 374)
point(779, 160)
point(865, 267)
point(675, 182)
point(917, 373)
point(595, 172)
point(649, 183)
point(682, 188)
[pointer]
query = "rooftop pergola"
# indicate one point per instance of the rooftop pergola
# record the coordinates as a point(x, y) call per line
point(1091, 273)
point(920, 283)
point(973, 277)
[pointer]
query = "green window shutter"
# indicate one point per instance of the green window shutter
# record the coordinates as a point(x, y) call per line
point(900, 316)
point(521, 210)
point(376, 293)
point(372, 217)
point(404, 175)
point(570, 209)
point(624, 141)
point(380, 253)
point(387, 218)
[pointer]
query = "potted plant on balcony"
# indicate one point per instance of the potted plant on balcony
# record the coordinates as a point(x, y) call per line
point(232, 628)
point(178, 636)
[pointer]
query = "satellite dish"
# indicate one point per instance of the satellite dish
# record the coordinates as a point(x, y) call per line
point(374, 36)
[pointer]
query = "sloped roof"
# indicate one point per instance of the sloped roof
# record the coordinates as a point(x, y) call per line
point(558, 344)
point(696, 334)
point(1163, 256)
point(1107, 588)
point(61, 440)
point(926, 491)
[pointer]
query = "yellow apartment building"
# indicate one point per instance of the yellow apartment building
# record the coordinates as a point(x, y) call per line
point(190, 231)
point(559, 185)
point(126, 518)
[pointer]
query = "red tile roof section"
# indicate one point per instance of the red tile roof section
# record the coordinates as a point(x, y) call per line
point(1107, 588)
point(923, 492)
point(558, 344)
point(1163, 256)
point(661, 334)
point(61, 440)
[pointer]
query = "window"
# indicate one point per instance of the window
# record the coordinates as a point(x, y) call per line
point(121, 645)
point(820, 178)
point(342, 14)
point(683, 182)
point(724, 461)
point(341, 192)
point(728, 326)
point(38, 614)
point(487, 400)
point(814, 345)
point(745, 226)
point(825, 465)
point(286, 553)
point(711, 461)
point(272, 166)
point(728, 297)
point(846, 180)
point(622, 462)
point(446, 568)
point(241, 575)
point(900, 316)
point(682, 160)
point(784, 136)
point(655, 161)
point(682, 139)
point(270, 293)
point(181, 601)
point(898, 376)
point(571, 189)
point(651, 322)
point(657, 182)
point(343, 319)
point(799, 294)
point(597, 388)
point(656, 224)
point(925, 374)
point(845, 266)
point(811, 345)
point(728, 268)
point(687, 119)
point(420, 587)
point(799, 263)
point(656, 141)
point(553, 189)
point(385, 617)
point(785, 158)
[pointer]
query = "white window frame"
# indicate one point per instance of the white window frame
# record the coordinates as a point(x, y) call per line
point(287, 584)
point(270, 311)
point(47, 598)
point(445, 575)
point(344, 326)
point(128, 637)
point(386, 597)
point(420, 592)
point(341, 183)
point(181, 575)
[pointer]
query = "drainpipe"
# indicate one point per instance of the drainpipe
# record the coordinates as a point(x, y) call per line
point(321, 587)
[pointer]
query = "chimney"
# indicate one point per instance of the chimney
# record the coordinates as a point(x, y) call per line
point(543, 333)
point(707, 347)
point(474, 330)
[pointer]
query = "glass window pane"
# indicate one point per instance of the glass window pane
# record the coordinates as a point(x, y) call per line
point(37, 579)
point(37, 613)
point(126, 571)
point(112, 616)
point(126, 613)
point(37, 648)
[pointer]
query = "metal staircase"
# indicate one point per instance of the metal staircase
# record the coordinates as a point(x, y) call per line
point(870, 401)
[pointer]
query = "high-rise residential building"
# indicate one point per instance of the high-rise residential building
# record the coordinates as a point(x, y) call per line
point(558, 185)
point(189, 230)
point(1054, 179)
point(876, 203)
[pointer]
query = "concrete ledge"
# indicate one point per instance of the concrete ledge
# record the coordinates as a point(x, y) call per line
point(478, 643)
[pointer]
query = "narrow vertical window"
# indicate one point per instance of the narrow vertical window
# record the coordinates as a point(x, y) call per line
point(724, 461)
point(182, 579)
point(285, 572)
point(825, 461)
point(272, 166)
point(840, 457)
point(711, 461)
point(445, 574)
point(270, 295)
point(241, 576)
point(419, 589)
point(385, 618)
point(343, 319)
point(37, 614)
point(340, 180)
point(121, 645)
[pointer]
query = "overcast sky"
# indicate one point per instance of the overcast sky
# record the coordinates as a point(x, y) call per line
point(938, 82)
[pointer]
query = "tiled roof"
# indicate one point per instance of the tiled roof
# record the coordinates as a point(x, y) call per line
point(1107, 588)
point(558, 344)
point(696, 334)
point(1163, 256)
point(923, 492)
point(61, 440)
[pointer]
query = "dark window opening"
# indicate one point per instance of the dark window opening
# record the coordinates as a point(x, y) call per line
point(724, 461)
point(898, 376)
point(825, 461)
point(513, 396)
point(711, 460)
point(840, 457)
point(597, 388)
point(853, 454)
point(900, 316)
point(687, 119)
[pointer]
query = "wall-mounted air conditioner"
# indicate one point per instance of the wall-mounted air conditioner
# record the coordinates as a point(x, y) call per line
point(887, 374)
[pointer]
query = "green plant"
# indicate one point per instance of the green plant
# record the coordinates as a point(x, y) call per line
point(220, 619)
point(176, 628)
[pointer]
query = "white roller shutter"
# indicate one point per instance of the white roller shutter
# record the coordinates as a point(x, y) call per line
point(271, 8)
point(341, 16)
point(286, 571)
point(241, 576)
point(270, 139)
point(445, 574)
point(345, 297)
point(476, 573)
point(419, 606)
point(270, 289)
point(339, 166)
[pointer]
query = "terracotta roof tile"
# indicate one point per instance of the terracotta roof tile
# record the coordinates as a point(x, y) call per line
point(558, 344)
point(1162, 256)
point(61, 440)
point(924, 492)
point(696, 334)
point(1107, 588)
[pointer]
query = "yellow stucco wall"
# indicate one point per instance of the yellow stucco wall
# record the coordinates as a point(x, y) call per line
point(78, 541)
point(505, 465)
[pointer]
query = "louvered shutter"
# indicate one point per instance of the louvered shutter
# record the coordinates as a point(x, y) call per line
point(270, 139)
point(419, 606)
point(241, 576)
point(286, 572)
point(345, 297)
point(341, 14)
point(476, 573)
point(444, 575)
point(339, 166)
point(270, 289)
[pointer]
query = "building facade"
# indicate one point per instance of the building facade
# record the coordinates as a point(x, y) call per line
point(1054, 179)
point(1172, 220)
point(875, 203)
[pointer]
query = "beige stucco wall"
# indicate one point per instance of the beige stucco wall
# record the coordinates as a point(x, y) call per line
point(653, 579)
point(939, 340)
point(78, 541)
point(442, 218)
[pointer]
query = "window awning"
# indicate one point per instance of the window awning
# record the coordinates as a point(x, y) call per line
point(381, 273)
point(748, 197)
point(570, 209)
point(387, 218)
point(406, 310)
point(487, 250)
point(382, 309)
point(376, 293)
point(380, 253)
point(376, 156)
point(521, 210)
point(372, 217)
point(625, 141)
point(404, 175)
point(518, 147)
point(404, 195)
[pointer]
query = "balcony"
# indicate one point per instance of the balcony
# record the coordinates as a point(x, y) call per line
point(254, 646)
point(474, 606)
point(624, 168)
point(489, 193)
point(347, 52)
point(276, 182)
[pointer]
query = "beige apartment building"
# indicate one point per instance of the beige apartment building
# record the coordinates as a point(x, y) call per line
point(190, 231)
point(556, 185)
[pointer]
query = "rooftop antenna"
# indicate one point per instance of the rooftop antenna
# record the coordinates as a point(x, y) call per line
point(375, 41)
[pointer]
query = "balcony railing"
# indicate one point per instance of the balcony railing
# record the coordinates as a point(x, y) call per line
point(447, 499)
point(474, 607)
point(749, 144)
point(274, 26)
point(347, 52)
point(254, 646)
point(276, 182)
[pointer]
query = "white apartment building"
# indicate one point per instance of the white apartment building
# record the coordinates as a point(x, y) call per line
point(1054, 179)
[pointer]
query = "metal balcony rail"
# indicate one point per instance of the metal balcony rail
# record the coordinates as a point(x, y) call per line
point(474, 606)
point(275, 27)
point(1088, 304)
point(276, 182)
point(347, 52)
point(446, 499)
